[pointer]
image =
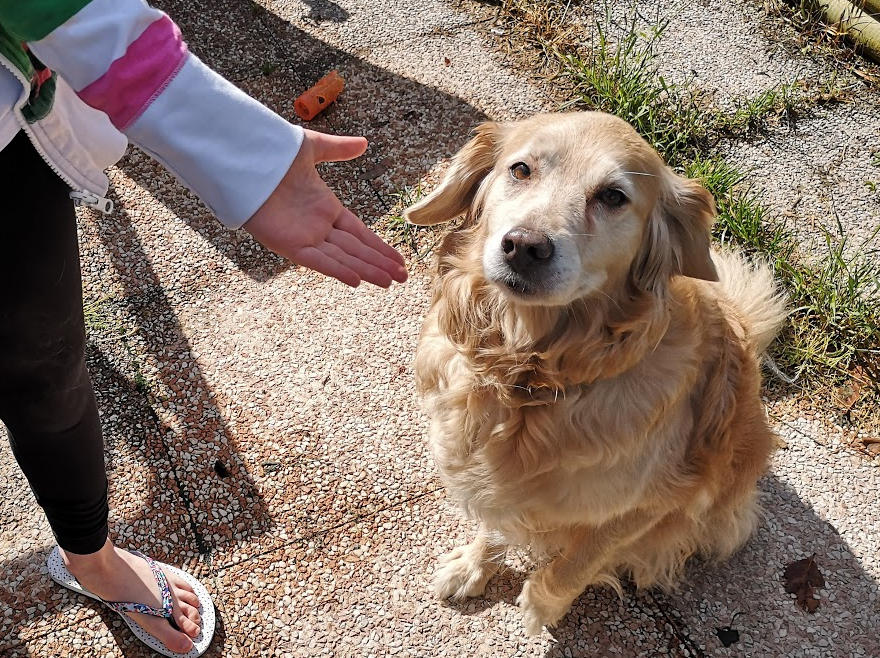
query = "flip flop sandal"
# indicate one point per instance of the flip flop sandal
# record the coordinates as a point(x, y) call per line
point(59, 573)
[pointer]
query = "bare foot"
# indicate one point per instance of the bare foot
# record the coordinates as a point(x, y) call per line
point(117, 575)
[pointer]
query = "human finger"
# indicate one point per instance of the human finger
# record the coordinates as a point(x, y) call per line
point(363, 269)
point(336, 148)
point(354, 247)
point(315, 259)
point(348, 221)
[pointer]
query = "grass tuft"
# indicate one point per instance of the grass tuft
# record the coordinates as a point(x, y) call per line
point(421, 240)
point(834, 325)
point(398, 228)
point(97, 316)
point(622, 78)
point(620, 75)
point(743, 221)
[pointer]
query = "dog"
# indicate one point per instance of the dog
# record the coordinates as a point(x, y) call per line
point(589, 363)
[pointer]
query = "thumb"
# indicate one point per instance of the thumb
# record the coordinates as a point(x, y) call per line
point(333, 148)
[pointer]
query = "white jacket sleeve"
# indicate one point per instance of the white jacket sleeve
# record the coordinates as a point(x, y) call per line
point(222, 144)
point(129, 60)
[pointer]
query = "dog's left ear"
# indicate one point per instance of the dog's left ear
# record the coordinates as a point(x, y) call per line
point(690, 211)
point(469, 167)
point(677, 240)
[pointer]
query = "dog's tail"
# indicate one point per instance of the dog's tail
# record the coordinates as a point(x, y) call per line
point(750, 287)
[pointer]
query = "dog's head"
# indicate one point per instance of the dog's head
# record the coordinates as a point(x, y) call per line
point(569, 206)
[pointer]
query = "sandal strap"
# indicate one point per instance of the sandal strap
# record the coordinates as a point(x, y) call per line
point(165, 611)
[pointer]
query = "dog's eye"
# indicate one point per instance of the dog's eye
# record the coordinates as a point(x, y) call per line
point(612, 197)
point(520, 171)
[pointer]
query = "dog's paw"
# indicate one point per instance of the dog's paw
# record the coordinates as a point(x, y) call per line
point(537, 611)
point(461, 575)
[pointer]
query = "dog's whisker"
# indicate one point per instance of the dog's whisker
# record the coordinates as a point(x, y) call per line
point(611, 299)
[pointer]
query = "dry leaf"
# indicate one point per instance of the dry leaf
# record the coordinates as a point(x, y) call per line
point(220, 469)
point(727, 635)
point(864, 75)
point(852, 391)
point(801, 578)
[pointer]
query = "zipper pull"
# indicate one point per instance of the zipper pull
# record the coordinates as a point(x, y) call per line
point(90, 200)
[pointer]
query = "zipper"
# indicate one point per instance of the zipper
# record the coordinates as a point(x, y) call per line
point(80, 198)
point(89, 200)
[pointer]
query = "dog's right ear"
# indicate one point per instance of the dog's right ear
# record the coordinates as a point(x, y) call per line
point(454, 195)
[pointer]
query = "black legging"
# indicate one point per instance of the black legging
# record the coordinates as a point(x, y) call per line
point(46, 398)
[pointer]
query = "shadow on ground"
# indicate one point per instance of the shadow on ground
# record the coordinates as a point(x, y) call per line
point(187, 492)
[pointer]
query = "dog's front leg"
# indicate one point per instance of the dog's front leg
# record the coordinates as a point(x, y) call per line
point(465, 571)
point(549, 592)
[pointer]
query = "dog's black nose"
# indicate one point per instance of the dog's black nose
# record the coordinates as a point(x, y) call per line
point(524, 249)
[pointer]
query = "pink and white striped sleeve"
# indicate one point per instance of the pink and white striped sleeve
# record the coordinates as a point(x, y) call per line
point(129, 60)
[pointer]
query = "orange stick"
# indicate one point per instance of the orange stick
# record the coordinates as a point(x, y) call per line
point(314, 100)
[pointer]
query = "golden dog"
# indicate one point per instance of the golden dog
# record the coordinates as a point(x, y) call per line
point(590, 366)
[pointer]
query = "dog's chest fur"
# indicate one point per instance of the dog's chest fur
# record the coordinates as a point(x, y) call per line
point(578, 458)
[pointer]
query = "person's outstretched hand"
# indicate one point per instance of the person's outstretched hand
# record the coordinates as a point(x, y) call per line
point(304, 221)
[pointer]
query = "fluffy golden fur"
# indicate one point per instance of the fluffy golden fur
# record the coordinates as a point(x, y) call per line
point(603, 407)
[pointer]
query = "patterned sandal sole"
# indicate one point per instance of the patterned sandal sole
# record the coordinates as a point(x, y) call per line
point(59, 573)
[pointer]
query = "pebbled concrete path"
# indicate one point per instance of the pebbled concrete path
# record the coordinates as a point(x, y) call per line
point(261, 424)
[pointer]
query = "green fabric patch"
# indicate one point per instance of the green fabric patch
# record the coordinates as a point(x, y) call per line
point(11, 49)
point(40, 102)
point(31, 20)
point(41, 98)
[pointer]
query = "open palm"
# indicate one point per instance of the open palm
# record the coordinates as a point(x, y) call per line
point(304, 221)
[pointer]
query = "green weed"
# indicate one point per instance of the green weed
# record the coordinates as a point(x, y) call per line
point(834, 324)
point(621, 77)
point(97, 316)
point(420, 239)
point(398, 227)
point(836, 321)
point(619, 74)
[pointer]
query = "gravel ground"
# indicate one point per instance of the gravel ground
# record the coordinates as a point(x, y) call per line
point(261, 425)
point(826, 169)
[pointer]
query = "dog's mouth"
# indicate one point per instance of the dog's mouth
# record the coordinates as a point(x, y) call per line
point(536, 285)
point(514, 283)
point(545, 291)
